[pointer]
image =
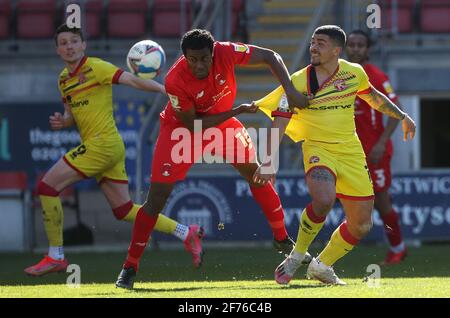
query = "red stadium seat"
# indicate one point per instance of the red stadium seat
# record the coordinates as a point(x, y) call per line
point(238, 6)
point(36, 18)
point(5, 11)
point(434, 16)
point(166, 17)
point(94, 9)
point(127, 18)
point(405, 10)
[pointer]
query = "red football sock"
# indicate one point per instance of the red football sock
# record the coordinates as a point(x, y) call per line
point(142, 228)
point(392, 227)
point(270, 203)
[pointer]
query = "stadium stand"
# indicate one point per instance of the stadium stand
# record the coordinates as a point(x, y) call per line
point(5, 11)
point(434, 16)
point(166, 18)
point(405, 15)
point(94, 12)
point(131, 14)
point(35, 18)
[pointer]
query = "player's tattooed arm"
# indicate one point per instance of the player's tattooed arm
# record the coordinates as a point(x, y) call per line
point(380, 102)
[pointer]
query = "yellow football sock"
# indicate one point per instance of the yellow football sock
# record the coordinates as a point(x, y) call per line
point(131, 216)
point(53, 219)
point(163, 224)
point(308, 229)
point(338, 246)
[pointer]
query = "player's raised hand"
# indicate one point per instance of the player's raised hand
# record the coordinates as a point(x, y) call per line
point(263, 175)
point(408, 127)
point(56, 121)
point(248, 108)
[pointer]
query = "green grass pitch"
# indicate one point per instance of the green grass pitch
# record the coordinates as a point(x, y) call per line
point(237, 272)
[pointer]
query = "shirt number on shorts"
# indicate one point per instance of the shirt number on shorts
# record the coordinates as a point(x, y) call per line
point(381, 178)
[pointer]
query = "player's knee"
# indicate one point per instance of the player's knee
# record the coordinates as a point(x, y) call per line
point(44, 189)
point(363, 228)
point(122, 211)
point(323, 205)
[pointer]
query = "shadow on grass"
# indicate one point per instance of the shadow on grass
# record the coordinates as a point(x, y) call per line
point(254, 264)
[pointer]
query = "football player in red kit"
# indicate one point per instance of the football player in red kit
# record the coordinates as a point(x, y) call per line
point(375, 138)
point(201, 86)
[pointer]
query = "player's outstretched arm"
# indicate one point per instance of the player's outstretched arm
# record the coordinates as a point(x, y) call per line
point(275, 62)
point(188, 117)
point(380, 102)
point(142, 84)
point(268, 168)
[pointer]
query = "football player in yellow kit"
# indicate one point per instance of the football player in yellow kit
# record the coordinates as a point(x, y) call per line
point(334, 160)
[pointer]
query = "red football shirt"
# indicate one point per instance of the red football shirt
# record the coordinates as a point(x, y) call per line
point(369, 122)
point(211, 95)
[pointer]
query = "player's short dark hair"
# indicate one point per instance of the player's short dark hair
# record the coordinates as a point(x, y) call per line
point(336, 34)
point(64, 28)
point(197, 39)
point(364, 34)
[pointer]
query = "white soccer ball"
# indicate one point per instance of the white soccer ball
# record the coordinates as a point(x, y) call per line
point(146, 59)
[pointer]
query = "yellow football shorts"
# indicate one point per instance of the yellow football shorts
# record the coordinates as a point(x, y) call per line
point(101, 157)
point(346, 161)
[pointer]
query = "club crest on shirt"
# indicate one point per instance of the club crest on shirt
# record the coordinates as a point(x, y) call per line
point(166, 170)
point(340, 84)
point(81, 78)
point(314, 159)
point(220, 79)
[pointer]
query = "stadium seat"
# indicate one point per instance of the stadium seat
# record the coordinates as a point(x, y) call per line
point(405, 15)
point(36, 18)
point(238, 7)
point(94, 9)
point(5, 11)
point(127, 18)
point(166, 17)
point(434, 16)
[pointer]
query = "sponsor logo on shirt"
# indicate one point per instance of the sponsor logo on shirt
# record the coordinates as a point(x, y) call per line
point(200, 95)
point(241, 48)
point(388, 88)
point(174, 101)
